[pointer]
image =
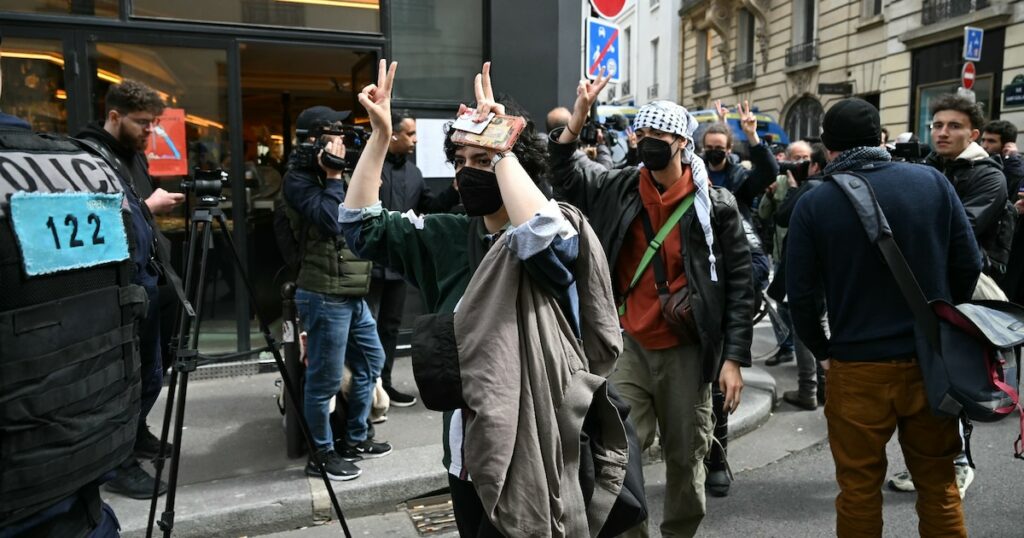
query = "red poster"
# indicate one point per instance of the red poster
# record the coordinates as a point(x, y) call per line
point(167, 153)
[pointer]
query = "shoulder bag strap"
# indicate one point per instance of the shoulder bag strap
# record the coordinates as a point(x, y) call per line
point(653, 246)
point(862, 196)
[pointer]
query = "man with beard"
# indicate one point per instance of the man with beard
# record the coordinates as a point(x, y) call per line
point(132, 110)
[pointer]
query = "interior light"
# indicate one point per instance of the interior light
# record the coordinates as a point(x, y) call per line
point(361, 4)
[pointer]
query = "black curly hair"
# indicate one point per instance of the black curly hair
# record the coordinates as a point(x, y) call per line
point(529, 148)
point(133, 96)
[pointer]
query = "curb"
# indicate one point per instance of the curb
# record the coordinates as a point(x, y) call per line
point(287, 499)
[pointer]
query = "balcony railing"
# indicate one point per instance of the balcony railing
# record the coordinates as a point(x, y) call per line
point(652, 91)
point(935, 11)
point(802, 54)
point(743, 72)
point(702, 84)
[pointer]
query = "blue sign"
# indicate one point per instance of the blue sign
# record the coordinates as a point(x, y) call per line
point(62, 231)
point(602, 49)
point(972, 43)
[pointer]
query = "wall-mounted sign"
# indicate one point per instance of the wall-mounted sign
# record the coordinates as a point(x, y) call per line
point(166, 151)
point(1013, 95)
point(835, 88)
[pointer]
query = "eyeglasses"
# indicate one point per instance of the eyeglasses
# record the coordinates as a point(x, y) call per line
point(144, 122)
point(952, 126)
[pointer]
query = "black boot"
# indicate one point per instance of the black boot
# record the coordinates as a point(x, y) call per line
point(719, 478)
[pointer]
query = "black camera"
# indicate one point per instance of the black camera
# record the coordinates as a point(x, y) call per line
point(911, 152)
point(354, 138)
point(588, 133)
point(355, 142)
point(207, 186)
point(799, 169)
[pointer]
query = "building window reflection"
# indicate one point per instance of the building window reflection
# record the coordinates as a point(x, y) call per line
point(339, 15)
point(33, 84)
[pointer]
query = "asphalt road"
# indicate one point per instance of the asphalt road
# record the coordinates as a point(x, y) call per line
point(794, 496)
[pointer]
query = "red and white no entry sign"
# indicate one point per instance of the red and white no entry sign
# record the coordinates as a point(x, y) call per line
point(967, 75)
point(608, 9)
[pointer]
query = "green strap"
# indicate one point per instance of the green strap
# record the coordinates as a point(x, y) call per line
point(654, 245)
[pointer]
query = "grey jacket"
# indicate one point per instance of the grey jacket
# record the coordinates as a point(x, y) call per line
point(529, 383)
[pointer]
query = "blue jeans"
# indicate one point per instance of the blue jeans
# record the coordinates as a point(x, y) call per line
point(330, 322)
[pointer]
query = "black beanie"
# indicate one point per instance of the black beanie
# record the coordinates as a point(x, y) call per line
point(851, 123)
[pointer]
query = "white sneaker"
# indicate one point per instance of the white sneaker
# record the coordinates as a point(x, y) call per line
point(964, 477)
point(901, 482)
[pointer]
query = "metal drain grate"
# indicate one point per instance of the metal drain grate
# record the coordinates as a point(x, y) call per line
point(432, 515)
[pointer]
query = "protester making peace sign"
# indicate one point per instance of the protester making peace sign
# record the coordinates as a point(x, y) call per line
point(520, 286)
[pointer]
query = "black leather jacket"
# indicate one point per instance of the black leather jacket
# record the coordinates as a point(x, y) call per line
point(611, 200)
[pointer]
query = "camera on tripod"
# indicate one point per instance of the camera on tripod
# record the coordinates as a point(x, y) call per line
point(799, 169)
point(207, 186)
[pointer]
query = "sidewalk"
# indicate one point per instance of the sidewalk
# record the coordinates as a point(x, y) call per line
point(236, 478)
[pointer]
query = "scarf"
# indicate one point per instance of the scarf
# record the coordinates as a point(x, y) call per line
point(854, 158)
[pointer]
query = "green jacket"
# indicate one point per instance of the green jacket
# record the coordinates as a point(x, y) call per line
point(327, 265)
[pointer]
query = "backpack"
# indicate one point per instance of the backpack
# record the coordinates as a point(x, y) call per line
point(997, 245)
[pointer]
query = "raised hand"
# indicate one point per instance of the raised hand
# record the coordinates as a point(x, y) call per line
point(587, 92)
point(723, 111)
point(748, 122)
point(484, 93)
point(376, 98)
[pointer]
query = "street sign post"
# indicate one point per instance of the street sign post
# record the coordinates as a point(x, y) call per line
point(608, 9)
point(967, 75)
point(972, 43)
point(602, 52)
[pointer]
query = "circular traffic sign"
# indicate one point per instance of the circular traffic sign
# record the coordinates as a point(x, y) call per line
point(967, 75)
point(608, 9)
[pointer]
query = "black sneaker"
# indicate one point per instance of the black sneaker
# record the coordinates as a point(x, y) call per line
point(147, 445)
point(133, 481)
point(367, 449)
point(780, 357)
point(337, 468)
point(400, 399)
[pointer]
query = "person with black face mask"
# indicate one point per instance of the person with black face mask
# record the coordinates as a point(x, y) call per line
point(664, 373)
point(746, 185)
point(440, 255)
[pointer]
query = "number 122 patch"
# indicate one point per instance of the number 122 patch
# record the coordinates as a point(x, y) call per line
point(62, 231)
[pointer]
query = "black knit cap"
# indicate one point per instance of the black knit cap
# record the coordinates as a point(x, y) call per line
point(851, 123)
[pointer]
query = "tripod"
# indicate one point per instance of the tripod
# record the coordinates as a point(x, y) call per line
point(188, 358)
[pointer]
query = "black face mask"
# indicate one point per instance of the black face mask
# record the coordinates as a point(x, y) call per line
point(479, 191)
point(714, 157)
point(655, 153)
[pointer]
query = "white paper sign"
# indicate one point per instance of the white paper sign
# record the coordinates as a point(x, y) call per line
point(430, 156)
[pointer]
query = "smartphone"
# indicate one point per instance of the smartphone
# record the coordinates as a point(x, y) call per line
point(499, 135)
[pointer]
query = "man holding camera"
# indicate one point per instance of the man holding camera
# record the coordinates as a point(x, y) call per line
point(133, 109)
point(331, 283)
point(402, 189)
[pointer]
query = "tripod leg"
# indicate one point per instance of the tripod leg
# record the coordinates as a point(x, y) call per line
point(200, 235)
point(289, 384)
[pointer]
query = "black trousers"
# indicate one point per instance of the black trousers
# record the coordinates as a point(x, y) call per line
point(469, 512)
point(387, 303)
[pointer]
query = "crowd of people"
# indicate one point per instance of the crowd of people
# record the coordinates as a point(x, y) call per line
point(570, 288)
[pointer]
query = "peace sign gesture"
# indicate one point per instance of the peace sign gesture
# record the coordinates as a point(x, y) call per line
point(484, 93)
point(376, 98)
point(748, 122)
point(587, 92)
point(723, 111)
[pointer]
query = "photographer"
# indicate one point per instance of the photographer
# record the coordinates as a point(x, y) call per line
point(745, 185)
point(602, 154)
point(132, 111)
point(331, 284)
point(69, 378)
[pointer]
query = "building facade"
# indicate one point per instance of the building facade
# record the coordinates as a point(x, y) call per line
point(794, 59)
point(238, 72)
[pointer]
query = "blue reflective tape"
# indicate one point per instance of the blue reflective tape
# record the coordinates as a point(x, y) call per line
point(63, 231)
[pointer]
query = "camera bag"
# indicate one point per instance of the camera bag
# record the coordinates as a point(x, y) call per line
point(969, 353)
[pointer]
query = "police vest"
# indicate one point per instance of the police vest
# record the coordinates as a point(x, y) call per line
point(69, 363)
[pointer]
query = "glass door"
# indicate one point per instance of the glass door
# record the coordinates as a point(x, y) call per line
point(35, 81)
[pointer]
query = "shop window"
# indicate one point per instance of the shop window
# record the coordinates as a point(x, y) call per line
point(804, 119)
point(98, 8)
point(439, 44)
point(33, 83)
point(339, 15)
point(983, 95)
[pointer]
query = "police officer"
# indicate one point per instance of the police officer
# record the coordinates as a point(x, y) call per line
point(69, 368)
